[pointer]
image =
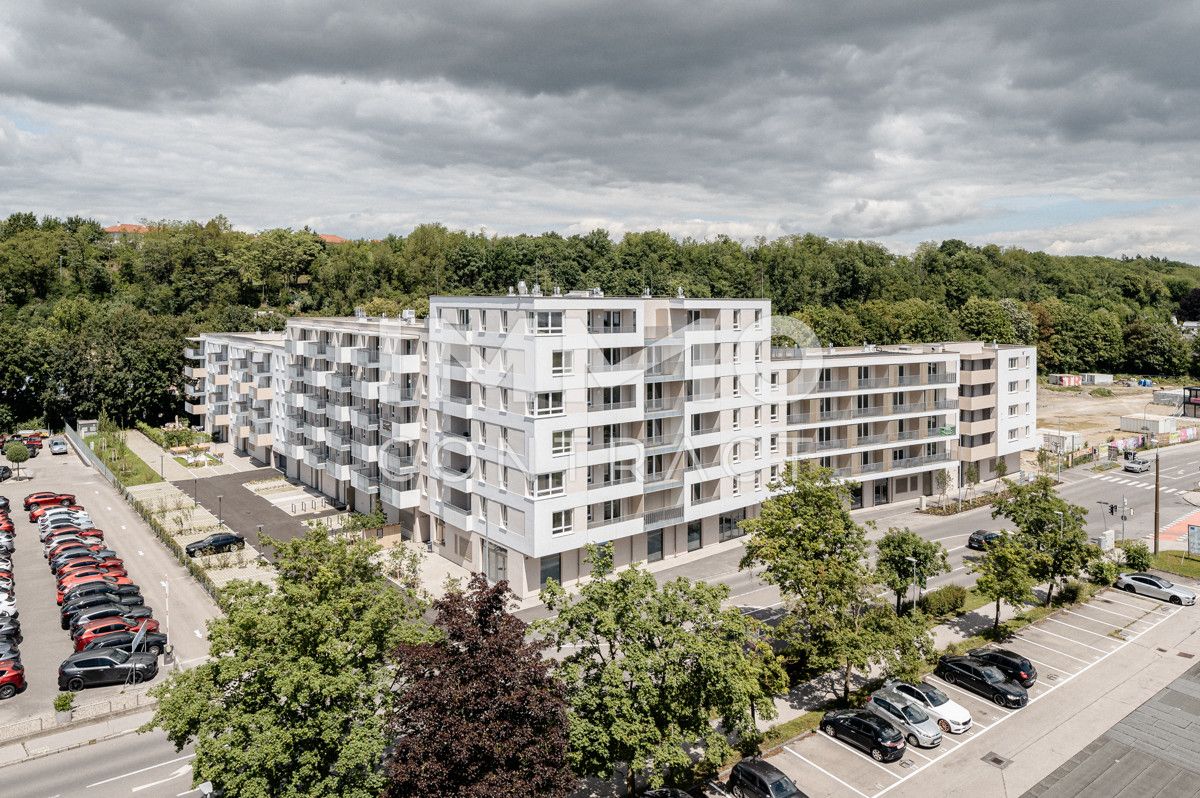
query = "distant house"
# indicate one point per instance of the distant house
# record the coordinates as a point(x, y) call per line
point(1092, 378)
point(329, 238)
point(118, 230)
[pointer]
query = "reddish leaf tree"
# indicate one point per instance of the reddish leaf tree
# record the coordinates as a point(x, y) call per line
point(478, 713)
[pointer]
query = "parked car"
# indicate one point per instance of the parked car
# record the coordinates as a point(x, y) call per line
point(215, 544)
point(909, 718)
point(58, 446)
point(9, 649)
point(755, 778)
point(67, 587)
point(104, 626)
point(77, 604)
point(10, 627)
point(1010, 663)
point(866, 731)
point(979, 677)
point(110, 666)
point(1136, 466)
point(37, 511)
point(1156, 587)
point(951, 717)
point(85, 617)
point(43, 498)
point(33, 441)
point(152, 642)
point(12, 678)
point(8, 607)
point(103, 588)
point(980, 538)
point(5, 473)
point(34, 451)
point(4, 501)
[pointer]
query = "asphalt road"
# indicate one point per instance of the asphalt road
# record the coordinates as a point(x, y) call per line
point(145, 765)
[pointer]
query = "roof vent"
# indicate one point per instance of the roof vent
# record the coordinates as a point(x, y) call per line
point(646, 292)
point(679, 293)
point(537, 289)
point(409, 315)
point(511, 292)
point(359, 313)
point(557, 291)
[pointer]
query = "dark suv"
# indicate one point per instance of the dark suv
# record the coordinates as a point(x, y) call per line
point(865, 730)
point(215, 544)
point(754, 778)
point(980, 539)
point(111, 666)
point(980, 677)
point(1010, 663)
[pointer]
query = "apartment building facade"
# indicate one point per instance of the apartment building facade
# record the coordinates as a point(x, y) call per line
point(510, 432)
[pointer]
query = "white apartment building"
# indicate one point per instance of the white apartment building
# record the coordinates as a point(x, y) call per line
point(510, 432)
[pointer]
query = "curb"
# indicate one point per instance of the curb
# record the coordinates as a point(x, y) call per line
point(65, 748)
point(82, 724)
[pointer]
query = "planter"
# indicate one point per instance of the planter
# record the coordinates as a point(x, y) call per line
point(63, 716)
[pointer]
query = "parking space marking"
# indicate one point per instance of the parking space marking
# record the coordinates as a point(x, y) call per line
point(912, 749)
point(1039, 696)
point(1068, 639)
point(1111, 612)
point(988, 701)
point(1045, 665)
point(1080, 628)
point(1147, 607)
point(823, 770)
point(854, 750)
point(1055, 650)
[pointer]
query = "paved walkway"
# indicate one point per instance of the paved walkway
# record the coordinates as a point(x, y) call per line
point(163, 464)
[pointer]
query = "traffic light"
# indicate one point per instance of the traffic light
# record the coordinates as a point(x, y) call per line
point(1112, 509)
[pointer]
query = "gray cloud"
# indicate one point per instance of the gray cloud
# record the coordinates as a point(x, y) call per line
point(858, 119)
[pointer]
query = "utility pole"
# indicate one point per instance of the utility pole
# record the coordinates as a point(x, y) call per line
point(1157, 489)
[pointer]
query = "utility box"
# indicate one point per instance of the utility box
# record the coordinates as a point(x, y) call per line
point(1149, 425)
point(1060, 441)
point(1106, 540)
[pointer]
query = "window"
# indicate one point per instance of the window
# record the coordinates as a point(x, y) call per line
point(562, 442)
point(504, 516)
point(774, 444)
point(504, 400)
point(736, 488)
point(1012, 410)
point(757, 481)
point(1012, 362)
point(693, 316)
point(547, 322)
point(462, 545)
point(654, 545)
point(758, 353)
point(729, 526)
point(560, 363)
point(774, 412)
point(737, 353)
point(737, 388)
point(504, 321)
point(757, 449)
point(560, 522)
point(549, 484)
point(464, 317)
point(757, 416)
point(483, 505)
point(1012, 385)
point(757, 317)
point(864, 373)
point(693, 536)
point(696, 492)
point(774, 380)
point(1012, 434)
point(551, 567)
point(737, 418)
point(549, 403)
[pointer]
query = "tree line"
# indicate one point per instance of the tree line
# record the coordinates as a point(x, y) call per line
point(96, 323)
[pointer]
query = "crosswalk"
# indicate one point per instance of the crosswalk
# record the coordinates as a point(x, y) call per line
point(1134, 483)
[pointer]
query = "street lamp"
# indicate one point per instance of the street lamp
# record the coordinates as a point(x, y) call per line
point(166, 586)
point(220, 514)
point(916, 585)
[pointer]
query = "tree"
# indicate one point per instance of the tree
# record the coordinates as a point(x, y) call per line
point(941, 481)
point(1001, 468)
point(477, 713)
point(290, 702)
point(893, 567)
point(1137, 555)
point(971, 474)
point(1050, 529)
point(16, 452)
point(1003, 574)
point(649, 667)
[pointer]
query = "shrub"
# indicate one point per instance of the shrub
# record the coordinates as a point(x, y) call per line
point(1101, 392)
point(1071, 592)
point(945, 600)
point(1137, 555)
point(1103, 572)
point(64, 702)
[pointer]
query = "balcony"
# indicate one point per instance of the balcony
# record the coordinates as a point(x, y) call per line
point(315, 457)
point(195, 372)
point(262, 392)
point(600, 365)
point(829, 386)
point(396, 464)
point(366, 390)
point(337, 442)
point(194, 352)
point(942, 379)
point(667, 368)
point(705, 499)
point(365, 478)
point(611, 329)
point(662, 405)
point(339, 382)
point(914, 462)
point(662, 480)
point(663, 442)
point(597, 523)
point(365, 450)
point(398, 494)
point(913, 407)
point(196, 408)
point(310, 348)
point(910, 379)
point(364, 419)
point(261, 438)
point(600, 407)
point(709, 360)
point(874, 382)
point(663, 516)
point(871, 412)
point(366, 358)
point(463, 434)
point(314, 403)
point(945, 404)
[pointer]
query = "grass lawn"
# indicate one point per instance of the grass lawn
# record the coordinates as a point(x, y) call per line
point(1176, 562)
point(128, 467)
point(975, 601)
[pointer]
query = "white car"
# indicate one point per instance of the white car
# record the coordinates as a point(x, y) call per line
point(8, 606)
point(61, 514)
point(950, 716)
point(1136, 466)
point(1156, 587)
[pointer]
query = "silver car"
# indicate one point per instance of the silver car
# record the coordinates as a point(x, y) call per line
point(1156, 587)
point(1136, 466)
point(906, 715)
point(950, 716)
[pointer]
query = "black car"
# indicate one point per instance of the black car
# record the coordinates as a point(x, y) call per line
point(95, 588)
point(1010, 663)
point(152, 642)
point(9, 648)
point(10, 628)
point(754, 778)
point(215, 544)
point(980, 539)
point(108, 666)
point(70, 608)
point(980, 677)
point(4, 499)
point(84, 617)
point(865, 730)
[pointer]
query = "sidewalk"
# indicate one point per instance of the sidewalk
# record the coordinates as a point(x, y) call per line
point(73, 736)
point(149, 452)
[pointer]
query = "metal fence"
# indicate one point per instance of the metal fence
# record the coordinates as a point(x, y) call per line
point(121, 702)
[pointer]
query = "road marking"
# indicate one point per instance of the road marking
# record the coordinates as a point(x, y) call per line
point(1110, 612)
point(1055, 650)
point(183, 758)
point(854, 750)
point(1044, 665)
point(1035, 698)
point(196, 632)
point(1070, 640)
point(1148, 608)
point(1080, 628)
point(140, 554)
point(818, 767)
point(912, 749)
point(179, 772)
point(989, 701)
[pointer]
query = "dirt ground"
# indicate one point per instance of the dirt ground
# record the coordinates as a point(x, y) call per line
point(1097, 417)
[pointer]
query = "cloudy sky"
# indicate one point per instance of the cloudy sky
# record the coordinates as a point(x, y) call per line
point(1071, 126)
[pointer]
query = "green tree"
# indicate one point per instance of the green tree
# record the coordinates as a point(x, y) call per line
point(1049, 528)
point(1137, 555)
point(16, 452)
point(896, 571)
point(971, 474)
point(1003, 574)
point(290, 702)
point(649, 667)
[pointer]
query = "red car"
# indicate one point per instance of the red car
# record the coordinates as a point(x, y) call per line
point(45, 498)
point(74, 569)
point(12, 678)
point(90, 580)
point(6, 524)
point(104, 626)
point(73, 544)
point(40, 510)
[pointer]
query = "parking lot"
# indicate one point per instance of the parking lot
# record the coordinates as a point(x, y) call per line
point(45, 644)
point(1063, 647)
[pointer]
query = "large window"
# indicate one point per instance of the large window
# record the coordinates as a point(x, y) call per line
point(548, 403)
point(654, 545)
point(547, 322)
point(562, 442)
point(549, 484)
point(729, 526)
point(693, 536)
point(551, 569)
point(561, 522)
